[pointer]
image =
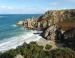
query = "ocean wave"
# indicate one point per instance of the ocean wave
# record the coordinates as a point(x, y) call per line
point(13, 42)
point(14, 25)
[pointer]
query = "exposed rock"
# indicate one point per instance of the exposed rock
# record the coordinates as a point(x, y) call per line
point(50, 18)
point(30, 23)
point(38, 25)
point(20, 23)
point(57, 16)
point(49, 21)
point(18, 56)
point(69, 38)
point(50, 32)
point(59, 35)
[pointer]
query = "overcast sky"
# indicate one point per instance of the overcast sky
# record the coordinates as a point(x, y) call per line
point(33, 6)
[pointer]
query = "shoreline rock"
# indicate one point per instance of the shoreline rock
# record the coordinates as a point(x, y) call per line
point(20, 23)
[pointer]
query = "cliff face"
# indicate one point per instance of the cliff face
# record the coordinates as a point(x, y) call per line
point(50, 18)
point(51, 21)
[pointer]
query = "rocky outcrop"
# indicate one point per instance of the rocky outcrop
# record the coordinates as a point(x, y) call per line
point(59, 15)
point(50, 18)
point(18, 56)
point(69, 38)
point(50, 32)
point(20, 23)
point(51, 21)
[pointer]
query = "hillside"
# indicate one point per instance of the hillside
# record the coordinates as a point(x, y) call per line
point(59, 17)
point(54, 24)
point(32, 50)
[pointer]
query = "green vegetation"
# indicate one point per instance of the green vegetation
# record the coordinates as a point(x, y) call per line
point(48, 47)
point(63, 53)
point(32, 50)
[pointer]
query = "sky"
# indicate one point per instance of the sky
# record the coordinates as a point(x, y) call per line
point(34, 6)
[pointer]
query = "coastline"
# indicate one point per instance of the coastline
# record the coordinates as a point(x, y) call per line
point(19, 40)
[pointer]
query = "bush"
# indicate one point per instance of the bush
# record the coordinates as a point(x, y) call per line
point(63, 53)
point(47, 47)
point(33, 50)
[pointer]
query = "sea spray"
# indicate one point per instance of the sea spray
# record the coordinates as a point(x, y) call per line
point(13, 42)
point(11, 35)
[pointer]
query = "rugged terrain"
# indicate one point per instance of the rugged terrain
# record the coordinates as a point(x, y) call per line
point(58, 28)
point(57, 25)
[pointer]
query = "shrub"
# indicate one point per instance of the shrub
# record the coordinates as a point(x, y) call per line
point(47, 47)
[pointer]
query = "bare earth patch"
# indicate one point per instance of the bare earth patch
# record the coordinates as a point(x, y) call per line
point(44, 42)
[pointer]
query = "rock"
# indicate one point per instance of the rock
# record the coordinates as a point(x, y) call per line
point(59, 35)
point(57, 16)
point(30, 23)
point(38, 25)
point(50, 32)
point(69, 34)
point(18, 56)
point(49, 21)
point(44, 24)
point(69, 38)
point(20, 23)
point(49, 18)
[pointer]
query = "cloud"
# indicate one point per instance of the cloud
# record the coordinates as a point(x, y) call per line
point(54, 3)
point(12, 10)
point(6, 8)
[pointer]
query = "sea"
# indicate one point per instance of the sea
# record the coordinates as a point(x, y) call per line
point(12, 35)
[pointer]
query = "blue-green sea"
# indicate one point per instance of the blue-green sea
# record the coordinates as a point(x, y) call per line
point(12, 35)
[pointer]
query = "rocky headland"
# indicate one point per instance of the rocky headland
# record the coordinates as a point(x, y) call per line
point(57, 26)
point(58, 34)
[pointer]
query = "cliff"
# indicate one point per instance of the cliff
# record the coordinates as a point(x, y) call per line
point(52, 21)
point(50, 18)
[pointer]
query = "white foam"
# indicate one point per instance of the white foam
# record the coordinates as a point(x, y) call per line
point(18, 40)
point(14, 25)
